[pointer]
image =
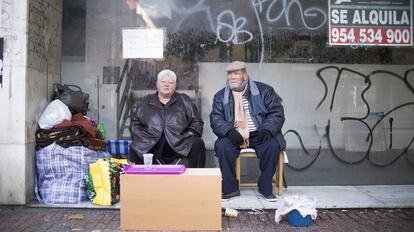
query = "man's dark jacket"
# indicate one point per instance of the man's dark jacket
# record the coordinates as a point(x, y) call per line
point(151, 119)
point(272, 121)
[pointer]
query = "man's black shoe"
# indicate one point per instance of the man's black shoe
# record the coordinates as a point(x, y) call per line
point(227, 197)
point(270, 198)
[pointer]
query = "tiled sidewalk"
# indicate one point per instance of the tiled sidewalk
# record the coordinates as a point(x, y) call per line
point(328, 197)
point(21, 219)
point(341, 208)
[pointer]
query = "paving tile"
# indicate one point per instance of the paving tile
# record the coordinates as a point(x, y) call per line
point(393, 196)
point(336, 196)
point(247, 200)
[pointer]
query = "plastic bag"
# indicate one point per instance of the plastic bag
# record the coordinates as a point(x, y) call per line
point(304, 204)
point(101, 130)
point(72, 96)
point(60, 173)
point(102, 181)
point(54, 114)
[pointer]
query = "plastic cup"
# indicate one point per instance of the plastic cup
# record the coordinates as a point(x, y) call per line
point(148, 160)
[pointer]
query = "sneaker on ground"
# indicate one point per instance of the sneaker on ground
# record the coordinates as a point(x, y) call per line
point(227, 197)
point(270, 198)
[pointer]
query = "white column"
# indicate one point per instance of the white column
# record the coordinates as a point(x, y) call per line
point(32, 35)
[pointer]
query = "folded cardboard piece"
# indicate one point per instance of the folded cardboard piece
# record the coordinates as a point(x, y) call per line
point(187, 201)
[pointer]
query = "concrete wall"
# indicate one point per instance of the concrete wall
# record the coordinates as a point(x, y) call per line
point(13, 97)
point(43, 69)
point(32, 64)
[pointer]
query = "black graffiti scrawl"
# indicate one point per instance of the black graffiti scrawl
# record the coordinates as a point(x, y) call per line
point(369, 141)
point(1, 62)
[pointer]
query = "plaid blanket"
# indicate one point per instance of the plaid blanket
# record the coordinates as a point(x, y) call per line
point(60, 173)
point(65, 137)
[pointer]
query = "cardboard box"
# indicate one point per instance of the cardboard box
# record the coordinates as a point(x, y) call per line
point(189, 201)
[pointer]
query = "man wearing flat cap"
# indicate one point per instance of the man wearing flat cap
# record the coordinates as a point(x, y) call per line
point(247, 113)
point(167, 124)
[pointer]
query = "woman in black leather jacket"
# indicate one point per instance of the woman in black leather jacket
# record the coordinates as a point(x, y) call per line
point(168, 125)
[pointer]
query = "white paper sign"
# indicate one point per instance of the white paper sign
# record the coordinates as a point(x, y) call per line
point(143, 43)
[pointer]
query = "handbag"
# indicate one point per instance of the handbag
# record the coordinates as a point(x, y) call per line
point(72, 96)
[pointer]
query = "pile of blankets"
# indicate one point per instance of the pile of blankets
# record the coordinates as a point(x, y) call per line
point(78, 132)
point(66, 144)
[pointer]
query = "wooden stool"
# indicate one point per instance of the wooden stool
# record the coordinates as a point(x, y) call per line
point(249, 153)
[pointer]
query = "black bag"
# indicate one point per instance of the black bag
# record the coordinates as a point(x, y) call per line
point(72, 96)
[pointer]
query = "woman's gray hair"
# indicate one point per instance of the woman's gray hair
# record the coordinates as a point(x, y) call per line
point(168, 73)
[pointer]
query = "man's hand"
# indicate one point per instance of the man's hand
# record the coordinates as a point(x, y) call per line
point(193, 132)
point(235, 137)
point(132, 4)
point(263, 135)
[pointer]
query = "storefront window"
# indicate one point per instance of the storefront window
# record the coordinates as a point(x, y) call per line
point(352, 102)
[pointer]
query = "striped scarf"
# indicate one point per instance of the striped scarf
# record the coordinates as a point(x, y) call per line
point(240, 120)
point(257, 102)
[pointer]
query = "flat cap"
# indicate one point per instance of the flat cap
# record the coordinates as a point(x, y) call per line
point(235, 65)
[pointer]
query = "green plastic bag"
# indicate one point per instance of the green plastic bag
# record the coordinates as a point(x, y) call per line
point(102, 180)
point(101, 130)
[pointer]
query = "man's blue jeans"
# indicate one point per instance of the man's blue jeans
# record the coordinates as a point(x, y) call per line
point(267, 153)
